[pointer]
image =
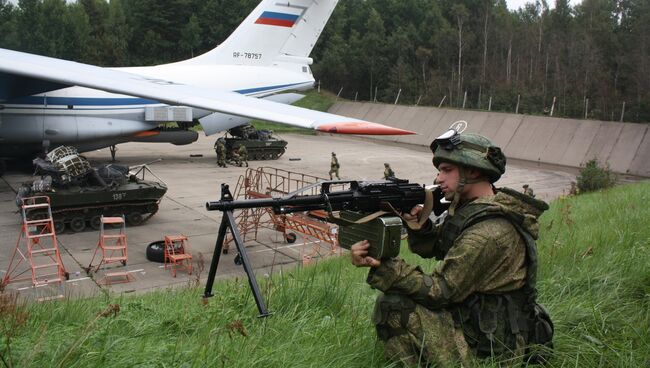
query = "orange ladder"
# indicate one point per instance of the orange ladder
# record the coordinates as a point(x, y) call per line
point(40, 248)
point(177, 254)
point(114, 248)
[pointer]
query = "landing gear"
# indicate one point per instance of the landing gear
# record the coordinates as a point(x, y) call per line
point(113, 150)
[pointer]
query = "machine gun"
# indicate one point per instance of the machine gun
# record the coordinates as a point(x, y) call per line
point(363, 197)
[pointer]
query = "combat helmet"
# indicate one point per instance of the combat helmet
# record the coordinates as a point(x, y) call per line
point(471, 151)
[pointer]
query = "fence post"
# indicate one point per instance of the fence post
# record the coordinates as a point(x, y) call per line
point(375, 100)
point(356, 94)
point(397, 98)
point(517, 108)
point(553, 105)
point(338, 94)
point(623, 112)
point(464, 99)
point(441, 101)
point(586, 107)
point(419, 98)
point(319, 86)
point(490, 104)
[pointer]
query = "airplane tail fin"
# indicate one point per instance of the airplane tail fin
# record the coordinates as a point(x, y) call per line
point(275, 33)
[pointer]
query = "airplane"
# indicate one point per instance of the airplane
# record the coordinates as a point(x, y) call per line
point(47, 102)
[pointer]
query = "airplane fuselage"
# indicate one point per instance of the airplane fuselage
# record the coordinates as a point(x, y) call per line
point(91, 119)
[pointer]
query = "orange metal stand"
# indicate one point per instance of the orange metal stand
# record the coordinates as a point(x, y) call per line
point(177, 254)
point(40, 250)
point(114, 248)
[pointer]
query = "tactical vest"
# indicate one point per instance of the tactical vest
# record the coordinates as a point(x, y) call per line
point(500, 323)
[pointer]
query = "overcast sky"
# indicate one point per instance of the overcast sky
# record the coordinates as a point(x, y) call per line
point(516, 4)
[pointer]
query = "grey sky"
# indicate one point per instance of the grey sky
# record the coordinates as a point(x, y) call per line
point(516, 4)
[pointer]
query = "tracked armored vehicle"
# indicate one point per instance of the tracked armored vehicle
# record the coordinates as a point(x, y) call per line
point(260, 144)
point(80, 195)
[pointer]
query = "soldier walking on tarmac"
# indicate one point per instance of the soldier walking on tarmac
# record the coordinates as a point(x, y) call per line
point(243, 155)
point(334, 166)
point(528, 190)
point(388, 172)
point(221, 153)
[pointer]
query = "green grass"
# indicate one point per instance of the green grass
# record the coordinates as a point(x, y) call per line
point(594, 278)
point(312, 100)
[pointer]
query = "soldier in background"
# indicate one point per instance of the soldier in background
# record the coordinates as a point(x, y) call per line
point(243, 155)
point(480, 300)
point(528, 190)
point(221, 153)
point(388, 172)
point(574, 191)
point(334, 166)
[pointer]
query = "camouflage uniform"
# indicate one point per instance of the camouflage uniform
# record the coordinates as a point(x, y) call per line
point(478, 300)
point(334, 166)
point(388, 172)
point(243, 155)
point(221, 153)
point(235, 158)
point(573, 191)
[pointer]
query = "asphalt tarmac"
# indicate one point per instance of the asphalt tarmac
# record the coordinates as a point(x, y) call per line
point(192, 177)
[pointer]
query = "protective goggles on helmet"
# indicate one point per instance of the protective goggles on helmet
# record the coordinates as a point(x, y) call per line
point(448, 141)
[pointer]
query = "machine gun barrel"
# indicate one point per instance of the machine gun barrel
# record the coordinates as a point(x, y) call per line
point(367, 196)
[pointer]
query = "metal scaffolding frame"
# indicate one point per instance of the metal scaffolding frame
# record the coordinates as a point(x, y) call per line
point(268, 182)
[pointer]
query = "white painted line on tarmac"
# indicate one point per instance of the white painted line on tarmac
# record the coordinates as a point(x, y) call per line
point(79, 279)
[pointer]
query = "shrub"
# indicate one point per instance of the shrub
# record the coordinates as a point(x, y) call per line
point(595, 177)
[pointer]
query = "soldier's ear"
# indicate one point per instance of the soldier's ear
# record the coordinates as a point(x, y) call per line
point(474, 174)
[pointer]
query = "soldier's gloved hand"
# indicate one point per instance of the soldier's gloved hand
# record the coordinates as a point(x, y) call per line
point(359, 253)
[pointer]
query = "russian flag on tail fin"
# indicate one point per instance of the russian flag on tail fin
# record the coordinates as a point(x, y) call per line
point(277, 19)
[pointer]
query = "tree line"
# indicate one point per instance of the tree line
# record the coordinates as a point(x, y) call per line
point(592, 59)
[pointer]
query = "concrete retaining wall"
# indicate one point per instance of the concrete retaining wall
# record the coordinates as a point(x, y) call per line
point(624, 146)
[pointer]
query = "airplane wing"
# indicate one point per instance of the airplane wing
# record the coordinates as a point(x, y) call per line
point(68, 73)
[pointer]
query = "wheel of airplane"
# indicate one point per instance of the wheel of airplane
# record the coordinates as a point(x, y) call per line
point(77, 224)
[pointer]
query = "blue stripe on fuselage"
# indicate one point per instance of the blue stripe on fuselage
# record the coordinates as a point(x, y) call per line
point(114, 101)
point(80, 101)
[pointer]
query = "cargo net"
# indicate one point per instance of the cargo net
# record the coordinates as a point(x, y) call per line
point(318, 238)
point(69, 163)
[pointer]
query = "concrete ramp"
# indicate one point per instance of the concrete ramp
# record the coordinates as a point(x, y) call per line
point(625, 147)
point(576, 153)
point(641, 162)
point(559, 142)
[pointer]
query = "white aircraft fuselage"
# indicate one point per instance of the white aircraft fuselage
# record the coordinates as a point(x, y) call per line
point(92, 119)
